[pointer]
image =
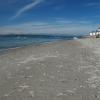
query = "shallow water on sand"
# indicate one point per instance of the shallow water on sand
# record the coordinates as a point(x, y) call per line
point(12, 41)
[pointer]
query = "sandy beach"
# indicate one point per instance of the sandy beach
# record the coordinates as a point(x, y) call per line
point(64, 70)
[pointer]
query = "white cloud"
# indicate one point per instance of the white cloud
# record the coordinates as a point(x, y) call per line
point(64, 21)
point(46, 27)
point(93, 4)
point(26, 8)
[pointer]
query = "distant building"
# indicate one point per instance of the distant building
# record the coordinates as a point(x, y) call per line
point(95, 33)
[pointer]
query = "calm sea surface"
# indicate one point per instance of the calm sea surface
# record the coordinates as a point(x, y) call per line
point(12, 41)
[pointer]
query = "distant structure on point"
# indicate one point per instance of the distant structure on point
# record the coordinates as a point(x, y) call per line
point(95, 33)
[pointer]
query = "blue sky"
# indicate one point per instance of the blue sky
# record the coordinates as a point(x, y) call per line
point(49, 16)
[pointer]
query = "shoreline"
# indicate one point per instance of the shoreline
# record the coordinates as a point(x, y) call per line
point(5, 51)
point(60, 38)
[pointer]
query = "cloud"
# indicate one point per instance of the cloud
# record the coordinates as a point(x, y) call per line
point(26, 8)
point(64, 21)
point(93, 4)
point(46, 27)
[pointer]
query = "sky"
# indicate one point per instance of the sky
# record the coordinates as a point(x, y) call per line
point(49, 16)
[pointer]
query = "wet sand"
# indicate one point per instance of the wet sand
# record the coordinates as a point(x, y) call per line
point(65, 70)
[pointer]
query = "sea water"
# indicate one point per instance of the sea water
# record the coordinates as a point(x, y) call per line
point(12, 41)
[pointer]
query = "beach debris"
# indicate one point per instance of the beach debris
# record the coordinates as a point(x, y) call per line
point(24, 86)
